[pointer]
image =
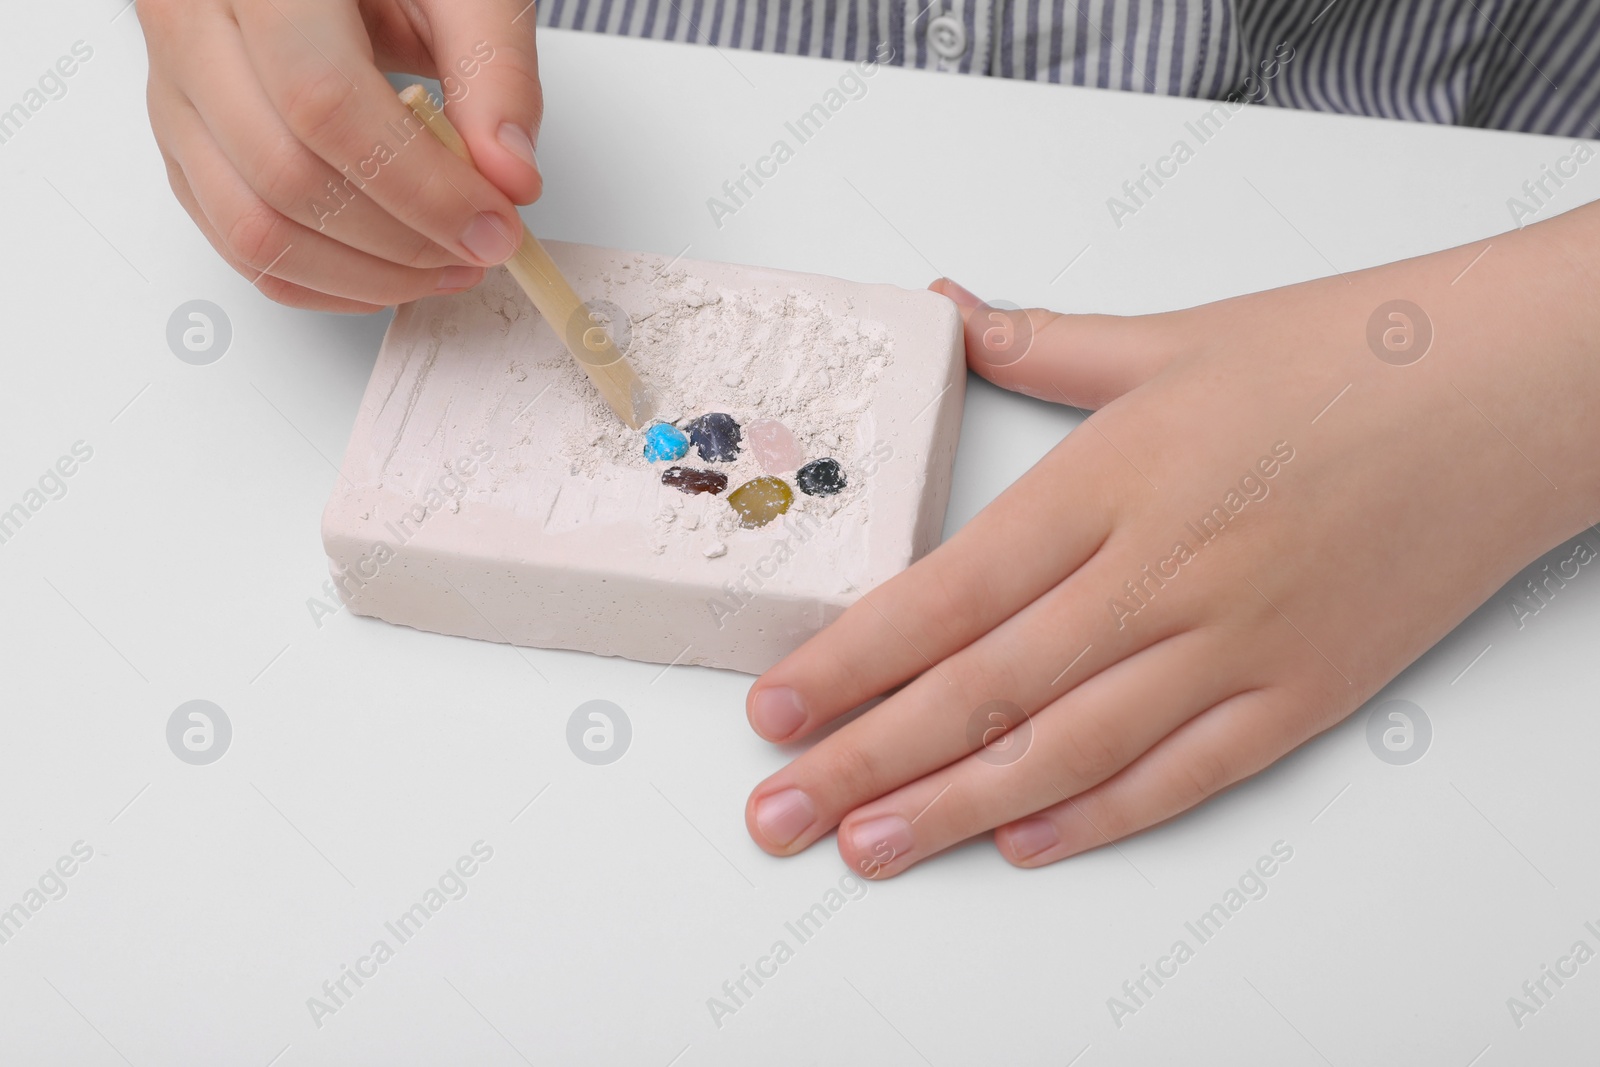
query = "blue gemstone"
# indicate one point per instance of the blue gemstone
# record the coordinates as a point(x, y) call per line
point(716, 437)
point(664, 441)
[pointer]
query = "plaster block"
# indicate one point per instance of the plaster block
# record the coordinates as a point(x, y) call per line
point(487, 492)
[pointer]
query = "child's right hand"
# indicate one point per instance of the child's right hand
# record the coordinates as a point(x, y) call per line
point(293, 154)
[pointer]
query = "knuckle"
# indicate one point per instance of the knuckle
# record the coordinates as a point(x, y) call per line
point(256, 238)
point(1103, 821)
point(950, 601)
point(425, 204)
point(1202, 774)
point(285, 174)
point(847, 669)
point(317, 104)
point(512, 66)
point(282, 292)
point(985, 690)
point(1093, 752)
point(522, 84)
point(852, 773)
point(423, 253)
point(177, 182)
point(391, 292)
point(443, 210)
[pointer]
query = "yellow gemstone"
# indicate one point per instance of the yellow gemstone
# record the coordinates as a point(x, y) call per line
point(760, 500)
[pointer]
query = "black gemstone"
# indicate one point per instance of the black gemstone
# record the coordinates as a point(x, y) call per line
point(820, 477)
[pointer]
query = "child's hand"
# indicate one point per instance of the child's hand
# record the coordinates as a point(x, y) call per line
point(1365, 509)
point(286, 144)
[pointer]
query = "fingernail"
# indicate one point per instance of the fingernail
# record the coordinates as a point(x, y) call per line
point(490, 239)
point(784, 816)
point(960, 294)
point(454, 278)
point(882, 838)
point(1030, 837)
point(517, 142)
point(777, 712)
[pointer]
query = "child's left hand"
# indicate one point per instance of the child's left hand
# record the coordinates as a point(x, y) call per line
point(1365, 509)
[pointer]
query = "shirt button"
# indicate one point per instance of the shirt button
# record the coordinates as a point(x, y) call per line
point(947, 37)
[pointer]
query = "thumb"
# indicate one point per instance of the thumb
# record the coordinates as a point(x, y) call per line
point(488, 72)
point(1086, 361)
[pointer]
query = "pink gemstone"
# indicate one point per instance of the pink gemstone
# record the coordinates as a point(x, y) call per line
point(774, 446)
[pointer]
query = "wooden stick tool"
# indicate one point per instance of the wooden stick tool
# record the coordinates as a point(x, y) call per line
point(585, 337)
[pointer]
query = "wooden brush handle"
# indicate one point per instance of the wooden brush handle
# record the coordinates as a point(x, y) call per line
point(532, 267)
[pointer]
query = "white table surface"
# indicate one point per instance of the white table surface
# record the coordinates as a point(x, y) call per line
point(366, 758)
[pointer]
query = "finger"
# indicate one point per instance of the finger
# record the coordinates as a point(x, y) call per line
point(882, 773)
point(276, 289)
point(1209, 753)
point(488, 72)
point(315, 63)
point(1016, 669)
point(1050, 522)
point(266, 242)
point(1077, 742)
point(280, 169)
point(1083, 360)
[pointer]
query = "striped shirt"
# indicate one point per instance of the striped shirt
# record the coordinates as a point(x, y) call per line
point(1531, 65)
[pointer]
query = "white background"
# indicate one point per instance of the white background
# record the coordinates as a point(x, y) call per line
point(367, 758)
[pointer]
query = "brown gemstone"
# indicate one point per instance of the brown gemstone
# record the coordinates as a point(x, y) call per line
point(690, 480)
